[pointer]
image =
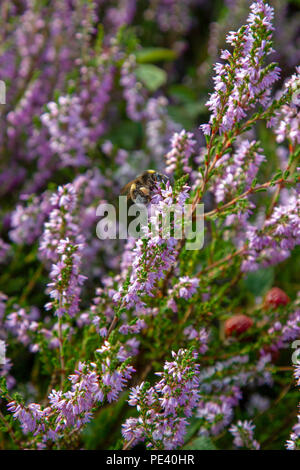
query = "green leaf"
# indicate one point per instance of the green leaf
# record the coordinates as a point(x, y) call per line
point(254, 183)
point(153, 77)
point(155, 54)
point(260, 281)
point(185, 115)
point(3, 387)
point(37, 122)
point(183, 93)
point(99, 39)
point(126, 134)
point(201, 443)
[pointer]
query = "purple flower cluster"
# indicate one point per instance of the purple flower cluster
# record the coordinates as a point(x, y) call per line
point(27, 221)
point(216, 415)
point(73, 408)
point(235, 371)
point(51, 334)
point(243, 433)
point(200, 337)
point(287, 120)
point(171, 15)
point(63, 244)
point(32, 418)
point(61, 223)
point(241, 82)
point(133, 90)
point(220, 390)
point(182, 147)
point(22, 324)
point(120, 14)
point(159, 127)
point(163, 408)
point(153, 254)
point(82, 118)
point(238, 171)
point(90, 385)
point(7, 365)
point(185, 288)
point(68, 133)
point(45, 40)
point(274, 242)
point(66, 279)
point(294, 441)
point(283, 333)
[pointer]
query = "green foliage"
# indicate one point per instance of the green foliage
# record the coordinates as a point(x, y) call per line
point(200, 443)
point(155, 54)
point(152, 76)
point(260, 281)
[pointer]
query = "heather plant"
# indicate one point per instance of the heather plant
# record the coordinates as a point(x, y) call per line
point(147, 343)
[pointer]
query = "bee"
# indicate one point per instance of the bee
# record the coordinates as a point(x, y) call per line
point(140, 190)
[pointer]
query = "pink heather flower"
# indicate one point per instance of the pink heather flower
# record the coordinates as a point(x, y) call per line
point(287, 121)
point(66, 280)
point(215, 415)
point(21, 324)
point(62, 243)
point(185, 288)
point(62, 223)
point(243, 435)
point(120, 15)
point(237, 172)
point(171, 15)
point(283, 334)
point(182, 147)
point(133, 90)
point(293, 443)
point(154, 254)
point(220, 390)
point(280, 234)
point(32, 418)
point(68, 132)
point(27, 222)
point(159, 126)
point(164, 408)
point(73, 409)
point(206, 129)
point(200, 336)
point(242, 81)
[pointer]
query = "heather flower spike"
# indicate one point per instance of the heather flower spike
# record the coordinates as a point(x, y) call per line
point(176, 326)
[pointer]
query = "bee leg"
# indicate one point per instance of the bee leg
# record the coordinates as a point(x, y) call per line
point(132, 191)
point(144, 195)
point(144, 190)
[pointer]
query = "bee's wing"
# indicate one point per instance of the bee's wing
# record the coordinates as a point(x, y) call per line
point(125, 191)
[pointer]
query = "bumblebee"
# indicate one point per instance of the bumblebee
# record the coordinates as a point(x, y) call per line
point(140, 190)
